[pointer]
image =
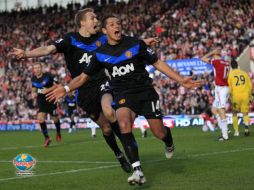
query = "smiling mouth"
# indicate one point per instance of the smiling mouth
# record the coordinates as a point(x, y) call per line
point(117, 33)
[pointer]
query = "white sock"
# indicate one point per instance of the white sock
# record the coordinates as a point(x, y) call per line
point(205, 127)
point(142, 128)
point(224, 128)
point(210, 125)
point(93, 129)
point(136, 164)
point(218, 120)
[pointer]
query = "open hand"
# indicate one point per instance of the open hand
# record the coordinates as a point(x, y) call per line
point(54, 93)
point(18, 53)
point(189, 83)
point(151, 41)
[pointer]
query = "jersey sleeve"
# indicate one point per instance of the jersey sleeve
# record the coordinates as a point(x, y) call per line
point(93, 67)
point(32, 80)
point(147, 54)
point(62, 44)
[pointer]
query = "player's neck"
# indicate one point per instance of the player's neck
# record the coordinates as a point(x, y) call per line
point(39, 76)
point(113, 42)
point(84, 33)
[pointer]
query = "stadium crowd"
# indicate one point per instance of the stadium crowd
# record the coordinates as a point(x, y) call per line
point(186, 29)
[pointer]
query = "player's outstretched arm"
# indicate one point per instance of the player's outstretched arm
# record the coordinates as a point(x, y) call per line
point(38, 52)
point(207, 56)
point(151, 41)
point(58, 91)
point(187, 82)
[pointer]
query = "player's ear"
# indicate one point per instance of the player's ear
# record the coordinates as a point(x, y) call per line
point(104, 30)
point(82, 23)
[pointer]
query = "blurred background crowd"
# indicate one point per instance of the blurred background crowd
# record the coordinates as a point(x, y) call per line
point(186, 29)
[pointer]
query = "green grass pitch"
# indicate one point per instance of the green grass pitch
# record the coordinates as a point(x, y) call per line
point(82, 163)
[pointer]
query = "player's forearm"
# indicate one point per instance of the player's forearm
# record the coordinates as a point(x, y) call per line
point(150, 41)
point(206, 58)
point(41, 51)
point(208, 55)
point(78, 82)
point(167, 70)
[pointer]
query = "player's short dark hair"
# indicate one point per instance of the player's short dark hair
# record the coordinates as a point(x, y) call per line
point(104, 20)
point(80, 15)
point(234, 64)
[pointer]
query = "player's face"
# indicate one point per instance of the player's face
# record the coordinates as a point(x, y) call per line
point(37, 70)
point(90, 23)
point(113, 29)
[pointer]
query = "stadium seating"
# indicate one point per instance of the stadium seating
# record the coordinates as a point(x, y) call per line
point(185, 29)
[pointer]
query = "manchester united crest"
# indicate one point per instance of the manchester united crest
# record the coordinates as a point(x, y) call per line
point(98, 43)
point(128, 54)
point(122, 101)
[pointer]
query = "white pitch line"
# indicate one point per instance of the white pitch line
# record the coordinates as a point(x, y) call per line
point(72, 143)
point(67, 162)
point(221, 152)
point(111, 166)
point(152, 161)
point(80, 162)
point(53, 145)
point(65, 143)
point(32, 146)
point(63, 172)
point(9, 148)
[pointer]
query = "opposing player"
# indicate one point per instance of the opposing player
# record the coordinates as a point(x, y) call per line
point(92, 125)
point(125, 59)
point(71, 103)
point(140, 125)
point(94, 97)
point(208, 121)
point(41, 81)
point(240, 89)
point(221, 71)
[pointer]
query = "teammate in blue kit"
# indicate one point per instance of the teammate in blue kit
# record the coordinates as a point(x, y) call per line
point(71, 103)
point(125, 59)
point(41, 81)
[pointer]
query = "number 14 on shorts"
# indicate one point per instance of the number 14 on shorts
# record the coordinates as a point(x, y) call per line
point(155, 105)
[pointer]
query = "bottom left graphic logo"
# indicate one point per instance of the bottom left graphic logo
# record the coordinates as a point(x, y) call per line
point(24, 163)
